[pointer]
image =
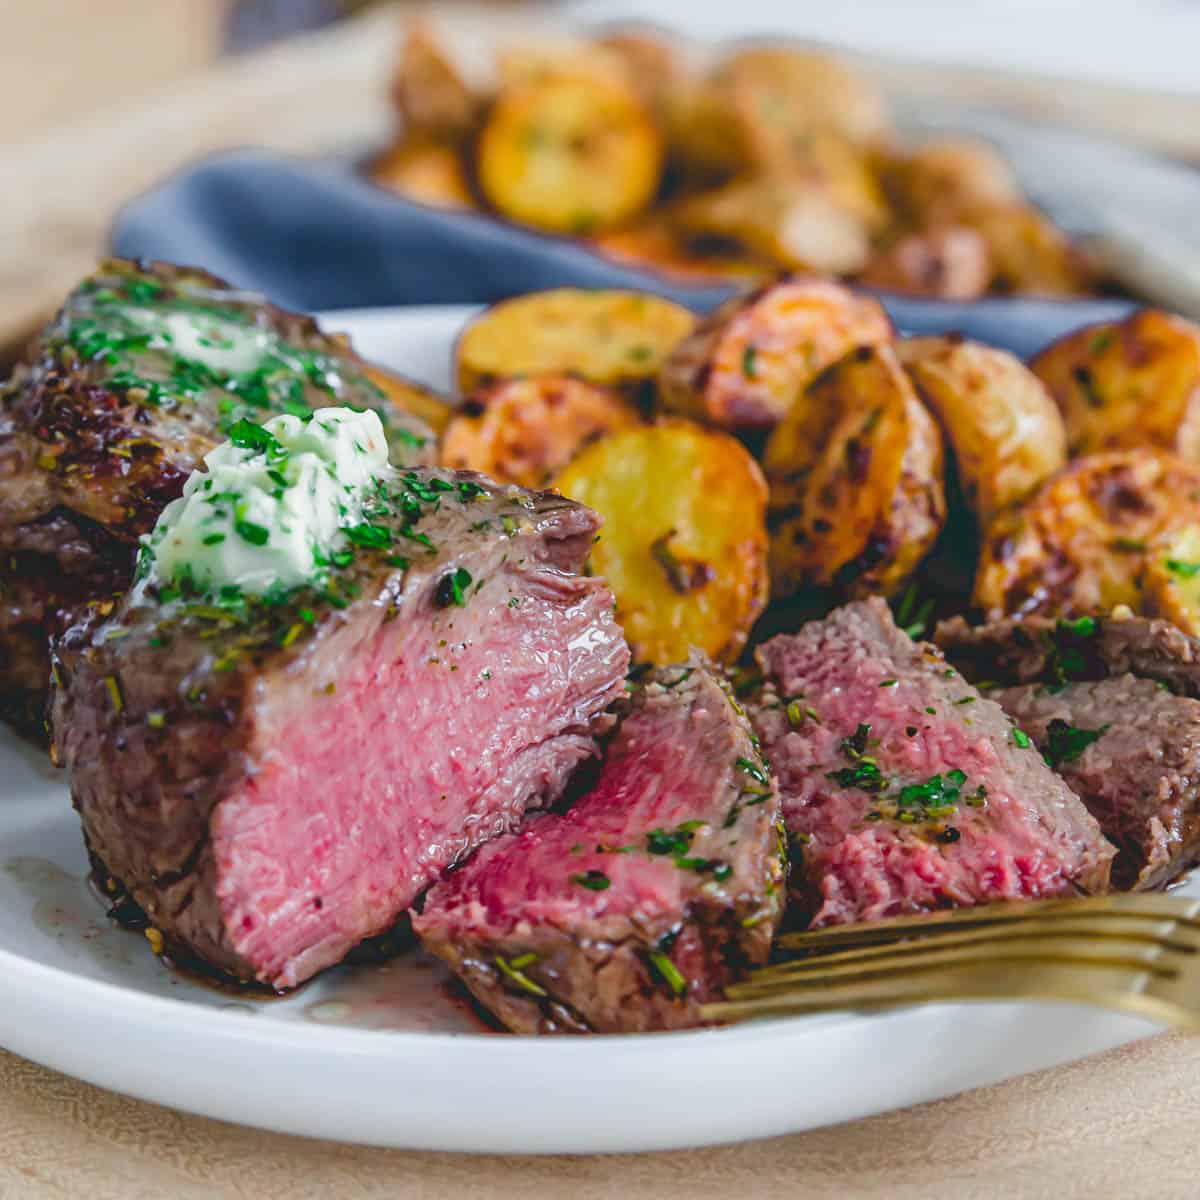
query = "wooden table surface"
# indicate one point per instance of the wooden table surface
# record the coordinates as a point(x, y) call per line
point(102, 99)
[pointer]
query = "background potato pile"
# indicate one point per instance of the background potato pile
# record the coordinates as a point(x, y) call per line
point(776, 157)
point(790, 447)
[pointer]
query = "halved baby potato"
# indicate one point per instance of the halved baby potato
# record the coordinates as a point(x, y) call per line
point(409, 396)
point(428, 91)
point(745, 364)
point(1004, 430)
point(525, 431)
point(428, 172)
point(570, 153)
point(1080, 543)
point(951, 263)
point(684, 543)
point(1028, 252)
point(612, 337)
point(856, 478)
point(936, 183)
point(1128, 383)
point(1171, 578)
point(791, 219)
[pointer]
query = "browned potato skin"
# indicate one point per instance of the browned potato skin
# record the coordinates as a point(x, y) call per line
point(655, 244)
point(745, 363)
point(411, 397)
point(652, 63)
point(945, 264)
point(791, 219)
point(428, 92)
point(428, 172)
point(1029, 254)
point(570, 153)
point(684, 544)
point(608, 336)
point(1079, 544)
point(1170, 580)
point(856, 479)
point(1005, 431)
point(1128, 383)
point(524, 431)
point(942, 179)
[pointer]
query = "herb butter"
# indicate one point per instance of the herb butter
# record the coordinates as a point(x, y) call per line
point(271, 508)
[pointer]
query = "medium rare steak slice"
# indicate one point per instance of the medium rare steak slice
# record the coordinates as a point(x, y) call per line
point(274, 779)
point(1042, 650)
point(642, 901)
point(907, 790)
point(1131, 751)
point(143, 372)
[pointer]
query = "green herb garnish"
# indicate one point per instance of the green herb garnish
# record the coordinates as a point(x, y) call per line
point(1066, 742)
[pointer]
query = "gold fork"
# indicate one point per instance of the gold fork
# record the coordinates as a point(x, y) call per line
point(1134, 953)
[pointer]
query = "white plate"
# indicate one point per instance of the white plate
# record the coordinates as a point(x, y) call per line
point(387, 1055)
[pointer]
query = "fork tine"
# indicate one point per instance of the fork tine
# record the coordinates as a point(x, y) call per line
point(1159, 932)
point(1136, 906)
point(1117, 988)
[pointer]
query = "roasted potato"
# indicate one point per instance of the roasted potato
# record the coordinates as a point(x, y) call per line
point(430, 95)
point(570, 153)
point(1080, 543)
point(655, 244)
point(784, 95)
point(428, 172)
point(1028, 253)
point(608, 336)
point(533, 60)
point(939, 181)
point(947, 264)
point(1004, 430)
point(409, 396)
point(1128, 383)
point(651, 62)
point(525, 431)
point(746, 363)
point(856, 477)
point(792, 220)
point(684, 544)
point(1171, 578)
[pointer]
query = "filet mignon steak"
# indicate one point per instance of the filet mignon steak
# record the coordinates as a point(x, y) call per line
point(141, 374)
point(654, 890)
point(903, 787)
point(274, 782)
point(1131, 751)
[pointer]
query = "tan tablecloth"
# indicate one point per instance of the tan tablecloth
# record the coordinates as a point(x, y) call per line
point(1120, 1125)
point(1117, 1126)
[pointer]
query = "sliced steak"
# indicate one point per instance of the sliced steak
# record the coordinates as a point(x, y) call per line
point(275, 781)
point(1131, 751)
point(1042, 650)
point(905, 788)
point(139, 376)
point(642, 901)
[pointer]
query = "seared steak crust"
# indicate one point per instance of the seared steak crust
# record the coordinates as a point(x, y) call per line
point(657, 888)
point(109, 413)
point(904, 789)
point(1131, 751)
point(276, 781)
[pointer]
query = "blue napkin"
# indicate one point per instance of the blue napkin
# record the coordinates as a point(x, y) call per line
point(315, 234)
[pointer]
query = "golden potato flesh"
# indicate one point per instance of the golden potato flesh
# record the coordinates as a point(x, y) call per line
point(428, 91)
point(1004, 430)
point(684, 543)
point(1079, 545)
point(947, 264)
point(746, 363)
point(791, 219)
point(427, 172)
point(525, 431)
point(411, 397)
point(1128, 383)
point(569, 154)
point(1171, 579)
point(856, 478)
point(607, 336)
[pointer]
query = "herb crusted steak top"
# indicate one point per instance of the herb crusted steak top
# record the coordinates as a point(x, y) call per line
point(905, 789)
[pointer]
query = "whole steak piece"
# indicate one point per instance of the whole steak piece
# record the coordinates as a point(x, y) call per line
point(662, 884)
point(143, 372)
point(1131, 751)
point(905, 789)
point(277, 781)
